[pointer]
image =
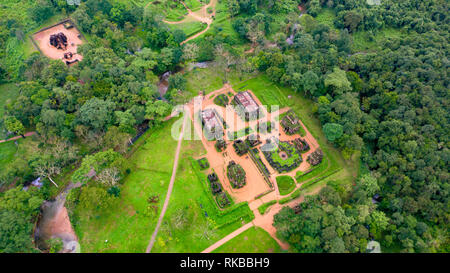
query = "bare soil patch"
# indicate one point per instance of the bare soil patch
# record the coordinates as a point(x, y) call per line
point(74, 39)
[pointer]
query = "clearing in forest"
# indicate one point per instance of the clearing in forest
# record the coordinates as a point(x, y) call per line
point(203, 15)
point(60, 41)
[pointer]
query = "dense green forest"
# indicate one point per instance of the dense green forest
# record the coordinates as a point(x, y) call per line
point(376, 74)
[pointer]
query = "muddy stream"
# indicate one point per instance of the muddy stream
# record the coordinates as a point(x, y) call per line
point(54, 222)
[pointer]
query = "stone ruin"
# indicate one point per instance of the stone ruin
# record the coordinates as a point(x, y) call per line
point(68, 58)
point(301, 145)
point(236, 175)
point(59, 40)
point(290, 123)
point(316, 157)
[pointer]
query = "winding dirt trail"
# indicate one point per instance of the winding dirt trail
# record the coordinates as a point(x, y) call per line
point(228, 237)
point(200, 15)
point(17, 137)
point(169, 190)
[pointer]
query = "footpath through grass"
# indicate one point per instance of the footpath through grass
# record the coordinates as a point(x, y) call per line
point(193, 220)
point(124, 225)
point(253, 240)
point(189, 28)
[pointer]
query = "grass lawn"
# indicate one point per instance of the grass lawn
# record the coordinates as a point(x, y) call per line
point(221, 25)
point(362, 42)
point(124, 225)
point(7, 153)
point(203, 79)
point(240, 133)
point(286, 184)
point(175, 11)
point(253, 240)
point(264, 207)
point(204, 222)
point(189, 28)
point(7, 91)
point(267, 92)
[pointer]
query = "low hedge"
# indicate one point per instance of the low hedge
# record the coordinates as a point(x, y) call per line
point(263, 208)
point(297, 193)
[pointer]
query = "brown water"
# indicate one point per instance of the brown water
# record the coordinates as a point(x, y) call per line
point(54, 222)
point(163, 84)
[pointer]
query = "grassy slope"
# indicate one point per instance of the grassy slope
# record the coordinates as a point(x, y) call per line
point(123, 224)
point(193, 5)
point(222, 24)
point(8, 151)
point(206, 79)
point(253, 240)
point(174, 11)
point(7, 91)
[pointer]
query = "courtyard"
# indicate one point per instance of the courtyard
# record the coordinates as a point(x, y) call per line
point(238, 132)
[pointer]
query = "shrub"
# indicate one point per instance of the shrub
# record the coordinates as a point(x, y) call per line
point(222, 200)
point(240, 147)
point(220, 145)
point(114, 191)
point(316, 157)
point(203, 162)
point(55, 245)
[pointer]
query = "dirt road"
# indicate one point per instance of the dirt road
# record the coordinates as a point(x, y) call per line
point(201, 15)
point(169, 190)
point(17, 137)
point(228, 237)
